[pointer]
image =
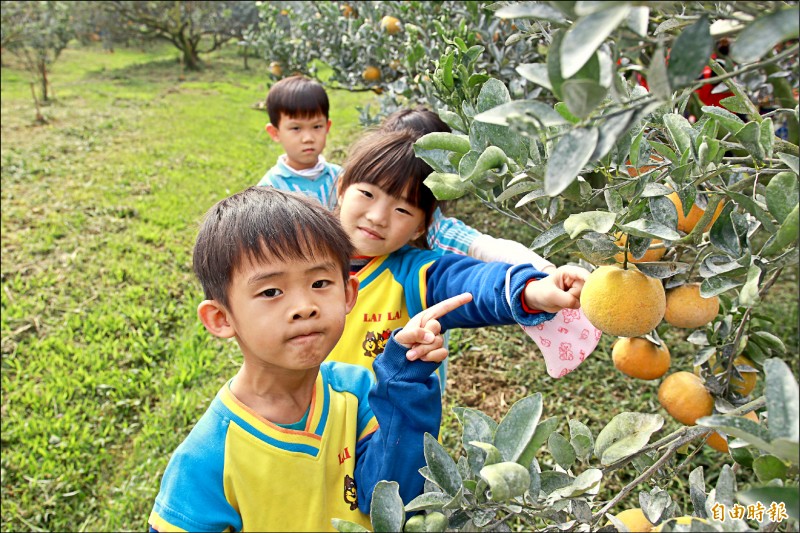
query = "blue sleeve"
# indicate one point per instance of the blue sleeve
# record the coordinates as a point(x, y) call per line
point(496, 292)
point(449, 234)
point(407, 403)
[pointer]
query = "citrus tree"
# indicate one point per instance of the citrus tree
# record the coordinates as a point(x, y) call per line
point(651, 157)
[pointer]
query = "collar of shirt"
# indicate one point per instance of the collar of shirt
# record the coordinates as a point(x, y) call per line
point(307, 173)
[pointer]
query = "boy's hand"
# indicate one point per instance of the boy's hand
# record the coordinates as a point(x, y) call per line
point(422, 334)
point(561, 289)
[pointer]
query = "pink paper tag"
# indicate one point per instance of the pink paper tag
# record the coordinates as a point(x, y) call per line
point(565, 341)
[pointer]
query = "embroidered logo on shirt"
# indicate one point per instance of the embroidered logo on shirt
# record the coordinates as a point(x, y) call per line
point(375, 342)
point(350, 494)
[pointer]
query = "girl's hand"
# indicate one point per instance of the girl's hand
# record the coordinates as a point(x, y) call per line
point(422, 335)
point(560, 290)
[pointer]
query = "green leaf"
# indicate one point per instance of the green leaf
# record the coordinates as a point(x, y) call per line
point(505, 114)
point(654, 503)
point(525, 11)
point(697, 491)
point(611, 129)
point(735, 104)
point(586, 35)
point(740, 427)
point(582, 96)
point(781, 390)
point(550, 236)
point(726, 486)
point(346, 526)
point(553, 480)
point(768, 467)
point(717, 285)
point(570, 155)
point(428, 500)
point(596, 247)
point(599, 221)
point(789, 496)
point(781, 194)
point(748, 295)
point(491, 158)
point(766, 136)
point(581, 439)
point(648, 228)
point(554, 63)
point(587, 481)
point(657, 78)
point(679, 130)
point(506, 480)
point(761, 35)
point(543, 431)
point(493, 455)
point(792, 161)
point(493, 93)
point(626, 434)
point(517, 428)
point(754, 209)
point(723, 233)
point(440, 140)
point(446, 186)
point(637, 20)
point(750, 137)
point(689, 54)
point(725, 118)
point(443, 469)
point(386, 512)
point(535, 73)
point(562, 450)
point(787, 234)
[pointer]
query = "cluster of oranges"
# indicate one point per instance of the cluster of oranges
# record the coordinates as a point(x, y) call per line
point(628, 304)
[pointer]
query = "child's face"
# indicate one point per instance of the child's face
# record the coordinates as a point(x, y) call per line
point(288, 315)
point(303, 139)
point(376, 222)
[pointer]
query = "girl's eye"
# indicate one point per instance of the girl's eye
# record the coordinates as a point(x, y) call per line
point(320, 284)
point(271, 293)
point(403, 211)
point(366, 193)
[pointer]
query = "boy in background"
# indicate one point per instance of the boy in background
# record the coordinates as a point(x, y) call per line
point(293, 441)
point(298, 112)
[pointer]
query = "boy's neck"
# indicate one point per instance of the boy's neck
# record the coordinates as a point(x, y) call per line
point(300, 169)
point(280, 397)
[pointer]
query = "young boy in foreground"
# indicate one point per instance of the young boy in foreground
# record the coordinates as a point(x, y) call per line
point(291, 441)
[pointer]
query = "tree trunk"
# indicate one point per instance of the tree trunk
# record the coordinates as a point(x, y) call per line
point(43, 79)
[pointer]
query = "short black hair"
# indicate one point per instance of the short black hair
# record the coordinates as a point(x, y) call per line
point(296, 97)
point(263, 224)
point(387, 160)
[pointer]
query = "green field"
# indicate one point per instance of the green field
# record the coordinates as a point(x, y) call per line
point(105, 367)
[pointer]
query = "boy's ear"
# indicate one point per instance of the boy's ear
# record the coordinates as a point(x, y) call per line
point(215, 318)
point(328, 127)
point(273, 132)
point(351, 292)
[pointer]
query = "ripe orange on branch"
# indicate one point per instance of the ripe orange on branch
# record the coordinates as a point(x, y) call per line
point(687, 309)
point(635, 520)
point(685, 397)
point(718, 442)
point(390, 25)
point(654, 254)
point(639, 358)
point(625, 303)
point(276, 69)
point(686, 223)
point(371, 73)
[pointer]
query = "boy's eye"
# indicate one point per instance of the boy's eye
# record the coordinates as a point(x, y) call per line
point(271, 293)
point(320, 284)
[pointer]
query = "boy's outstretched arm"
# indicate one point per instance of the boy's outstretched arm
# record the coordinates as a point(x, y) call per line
point(406, 401)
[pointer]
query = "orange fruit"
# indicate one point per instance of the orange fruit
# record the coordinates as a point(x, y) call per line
point(743, 386)
point(348, 11)
point(276, 69)
point(687, 309)
point(395, 64)
point(635, 520)
point(685, 397)
point(686, 223)
point(639, 358)
point(634, 172)
point(718, 442)
point(371, 73)
point(624, 303)
point(654, 254)
point(391, 25)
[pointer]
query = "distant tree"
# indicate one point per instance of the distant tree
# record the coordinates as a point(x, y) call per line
point(37, 32)
point(192, 27)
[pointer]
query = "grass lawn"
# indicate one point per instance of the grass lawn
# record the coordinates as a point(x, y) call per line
point(105, 367)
